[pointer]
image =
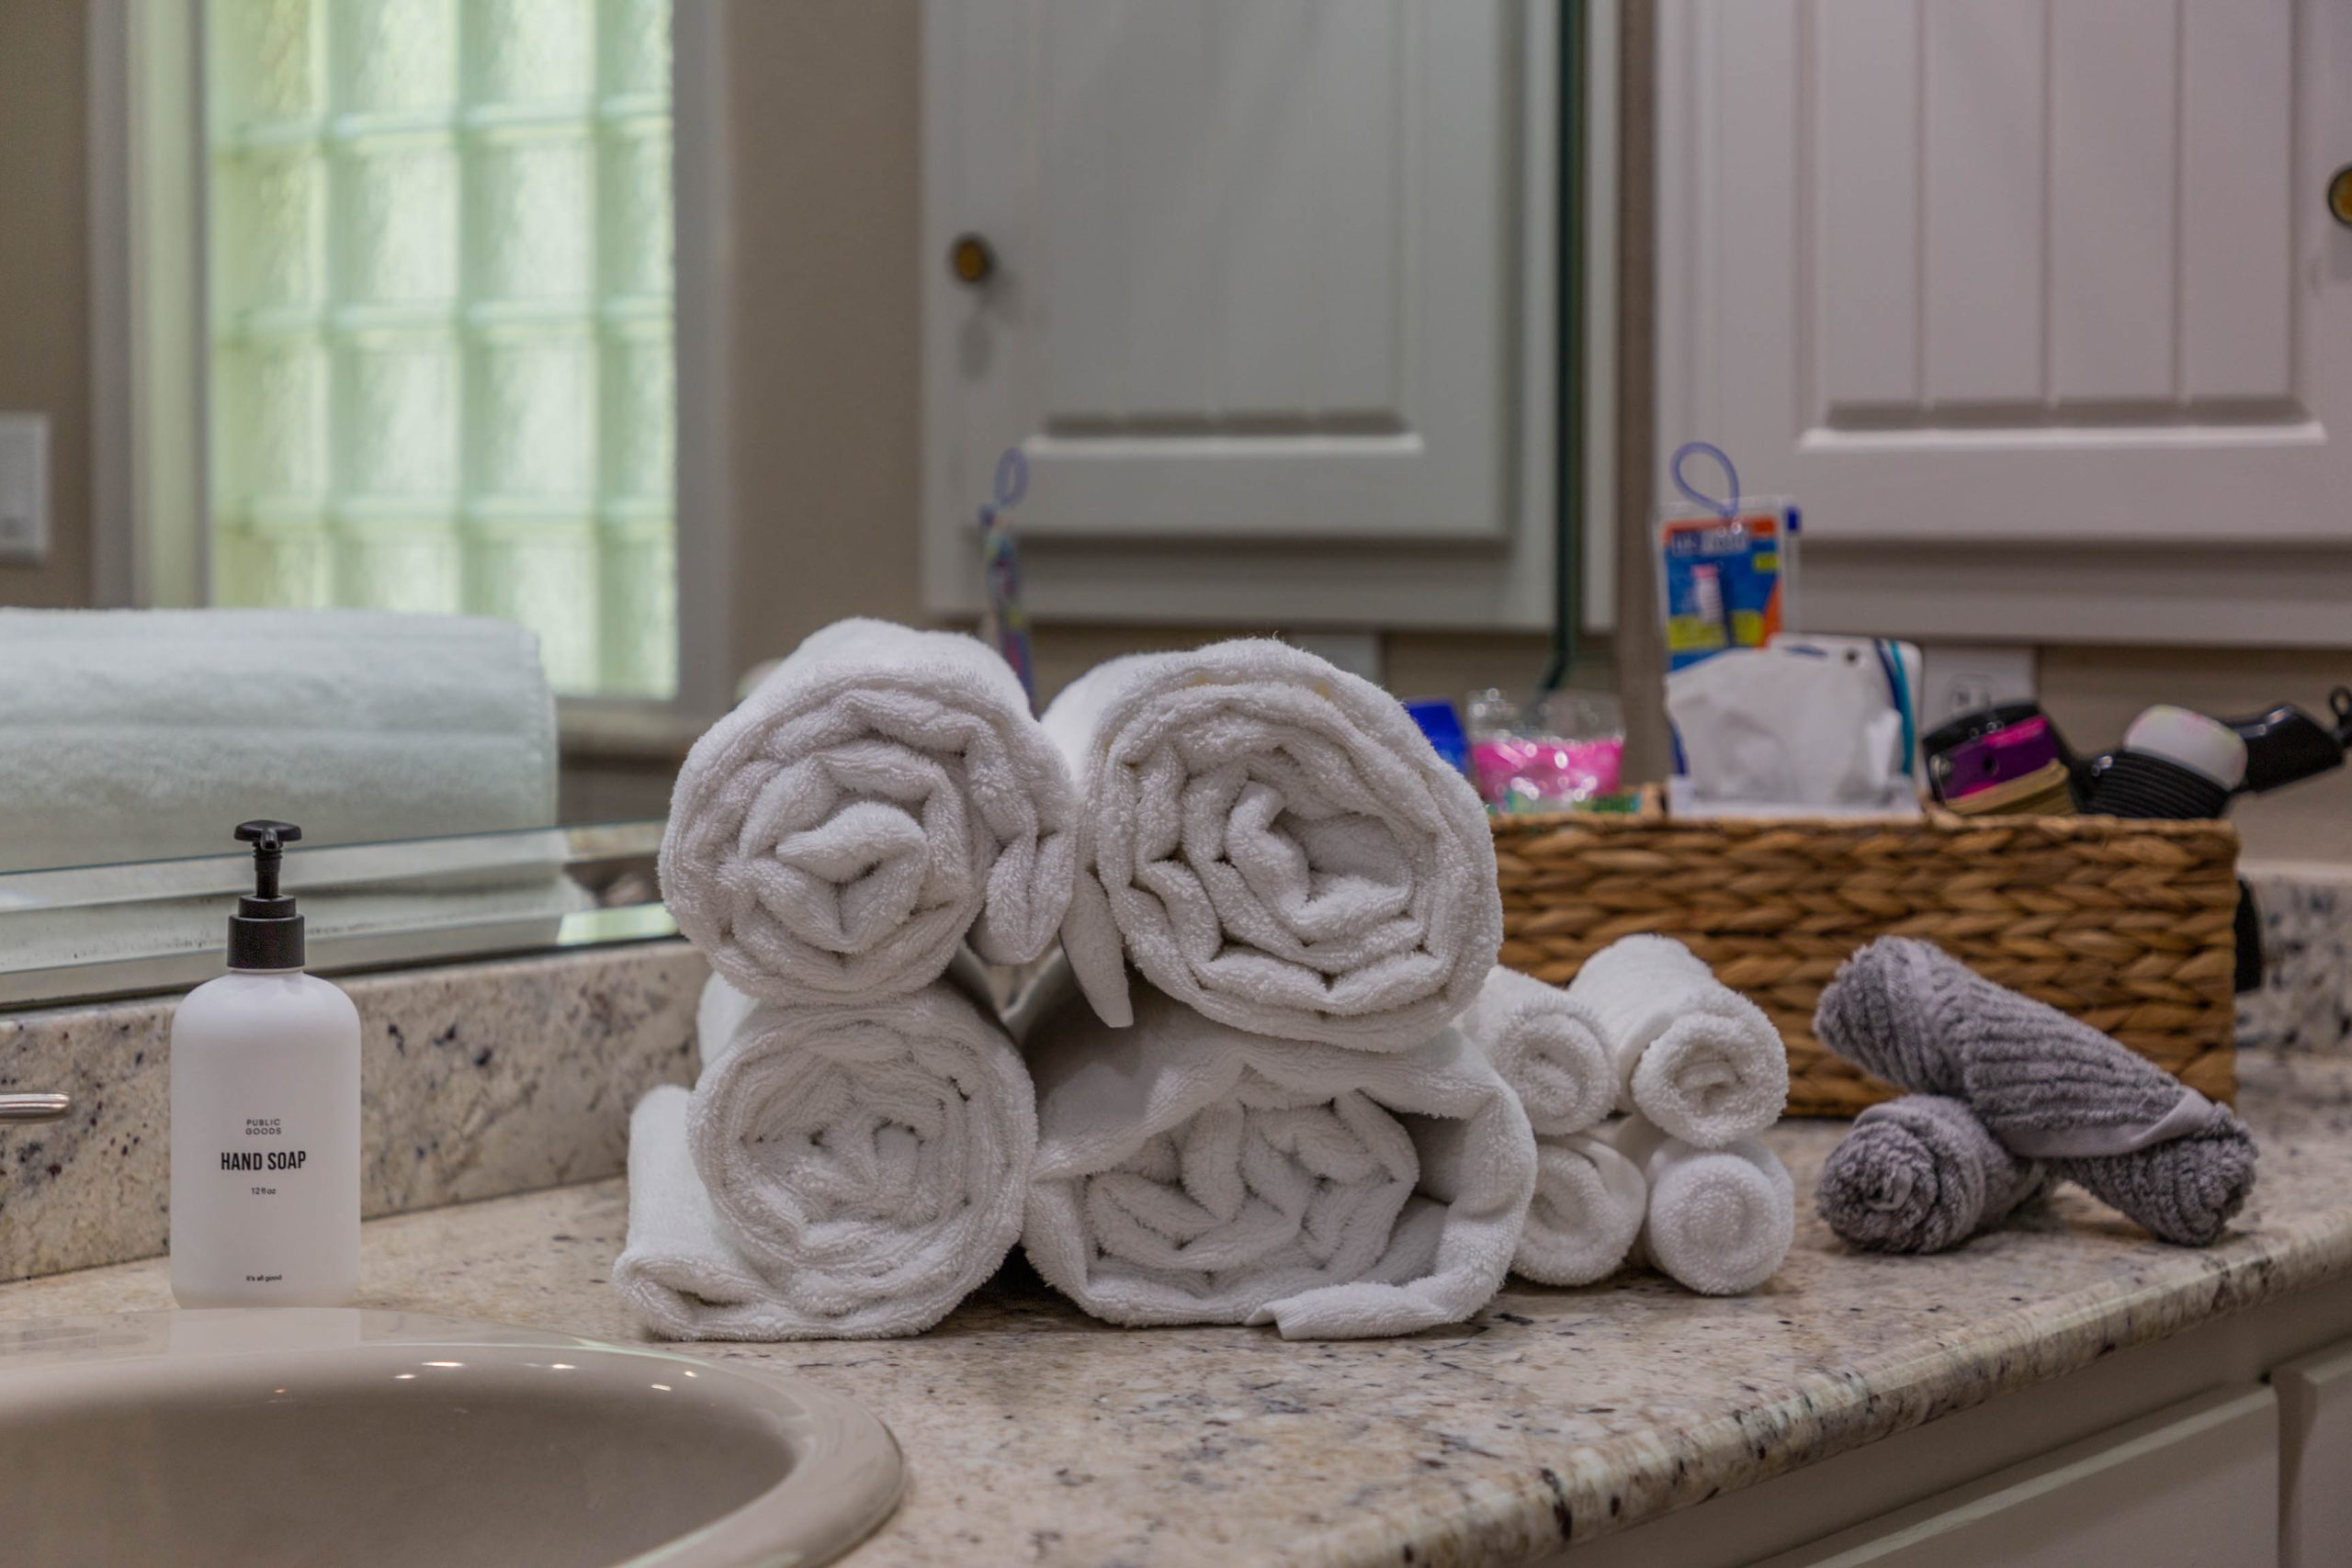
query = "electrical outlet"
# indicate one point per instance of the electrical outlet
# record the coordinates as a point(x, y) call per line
point(23, 488)
point(1961, 678)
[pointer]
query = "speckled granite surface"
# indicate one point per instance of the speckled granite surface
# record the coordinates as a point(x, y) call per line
point(480, 1079)
point(2305, 1003)
point(1035, 1436)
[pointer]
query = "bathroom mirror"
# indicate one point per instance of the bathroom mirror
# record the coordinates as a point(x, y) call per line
point(80, 933)
point(426, 760)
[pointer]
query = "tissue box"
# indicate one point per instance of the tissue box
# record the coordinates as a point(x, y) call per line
point(2126, 925)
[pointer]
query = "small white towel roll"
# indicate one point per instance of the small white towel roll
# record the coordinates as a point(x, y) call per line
point(1721, 1221)
point(1272, 841)
point(1692, 1054)
point(883, 792)
point(1548, 1046)
point(1589, 1202)
point(1192, 1172)
point(844, 1172)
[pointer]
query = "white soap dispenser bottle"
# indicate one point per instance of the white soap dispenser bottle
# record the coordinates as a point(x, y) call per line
point(265, 1116)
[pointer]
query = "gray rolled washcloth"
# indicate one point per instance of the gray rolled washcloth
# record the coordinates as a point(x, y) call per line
point(1920, 1174)
point(2049, 1086)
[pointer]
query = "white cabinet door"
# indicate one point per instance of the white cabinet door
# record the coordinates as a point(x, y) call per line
point(1261, 280)
point(2194, 1487)
point(2315, 1460)
point(1998, 272)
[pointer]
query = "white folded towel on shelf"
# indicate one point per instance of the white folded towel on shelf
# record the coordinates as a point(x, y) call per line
point(1192, 1172)
point(1721, 1221)
point(129, 735)
point(883, 792)
point(1692, 1054)
point(1548, 1046)
point(1589, 1202)
point(838, 1172)
point(1272, 841)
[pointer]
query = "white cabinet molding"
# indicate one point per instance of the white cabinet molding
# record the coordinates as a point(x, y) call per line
point(148, 545)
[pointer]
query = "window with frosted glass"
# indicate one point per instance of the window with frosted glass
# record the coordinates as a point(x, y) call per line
point(439, 265)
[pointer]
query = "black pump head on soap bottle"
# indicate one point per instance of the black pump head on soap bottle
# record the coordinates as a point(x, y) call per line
point(265, 932)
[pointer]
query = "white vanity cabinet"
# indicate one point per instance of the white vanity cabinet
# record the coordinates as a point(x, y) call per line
point(2191, 1486)
point(2315, 1458)
point(2228, 1445)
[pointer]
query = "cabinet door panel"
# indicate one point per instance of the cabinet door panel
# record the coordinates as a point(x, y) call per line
point(2315, 1458)
point(2027, 272)
point(1273, 316)
point(1255, 264)
point(2189, 1487)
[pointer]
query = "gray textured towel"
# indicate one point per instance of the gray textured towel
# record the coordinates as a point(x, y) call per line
point(1920, 1174)
point(2044, 1084)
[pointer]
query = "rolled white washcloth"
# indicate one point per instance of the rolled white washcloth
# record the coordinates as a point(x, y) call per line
point(1550, 1047)
point(1692, 1054)
point(1589, 1202)
point(837, 1173)
point(883, 792)
point(1192, 1172)
point(1588, 1197)
point(1273, 843)
point(1720, 1221)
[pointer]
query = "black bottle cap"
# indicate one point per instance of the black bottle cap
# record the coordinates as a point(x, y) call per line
point(265, 932)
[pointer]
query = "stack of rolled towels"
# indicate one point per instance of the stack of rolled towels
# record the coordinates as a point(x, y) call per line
point(852, 1160)
point(2008, 1095)
point(1263, 1112)
point(1646, 1082)
point(1291, 1087)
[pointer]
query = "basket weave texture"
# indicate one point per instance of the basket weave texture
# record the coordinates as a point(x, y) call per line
point(2126, 925)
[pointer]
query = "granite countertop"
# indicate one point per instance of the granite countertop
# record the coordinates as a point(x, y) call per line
point(1034, 1435)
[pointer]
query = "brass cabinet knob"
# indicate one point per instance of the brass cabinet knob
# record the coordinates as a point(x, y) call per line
point(2339, 196)
point(972, 260)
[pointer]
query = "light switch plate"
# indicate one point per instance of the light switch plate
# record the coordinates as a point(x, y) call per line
point(1961, 677)
point(23, 489)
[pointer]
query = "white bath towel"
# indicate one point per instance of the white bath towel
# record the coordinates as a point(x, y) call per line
point(842, 1172)
point(134, 734)
point(1692, 1054)
point(883, 792)
point(1272, 841)
point(1548, 1046)
point(1720, 1221)
point(1192, 1172)
point(1589, 1201)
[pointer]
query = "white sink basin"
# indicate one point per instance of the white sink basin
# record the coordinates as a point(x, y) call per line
point(367, 1440)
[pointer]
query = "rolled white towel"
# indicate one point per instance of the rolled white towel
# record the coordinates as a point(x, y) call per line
point(1192, 1172)
point(1720, 1221)
point(148, 734)
point(1589, 1201)
point(1272, 841)
point(845, 1172)
point(883, 792)
point(1692, 1054)
point(1548, 1046)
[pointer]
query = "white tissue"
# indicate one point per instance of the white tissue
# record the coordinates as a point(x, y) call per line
point(1791, 726)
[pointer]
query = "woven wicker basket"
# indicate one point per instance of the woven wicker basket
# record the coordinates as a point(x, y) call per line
point(2126, 925)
